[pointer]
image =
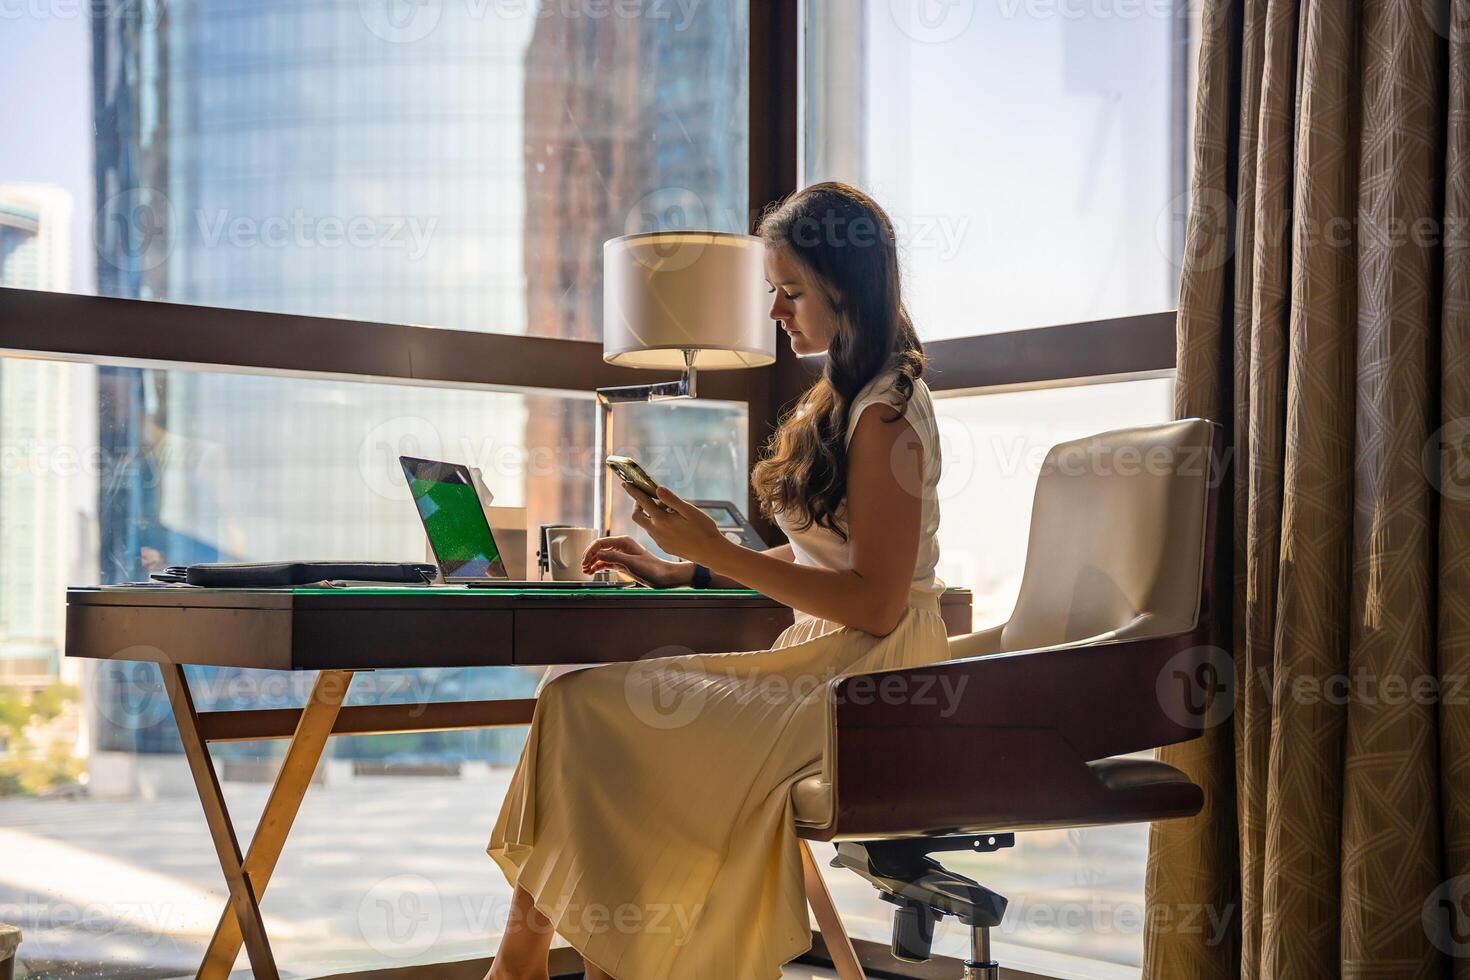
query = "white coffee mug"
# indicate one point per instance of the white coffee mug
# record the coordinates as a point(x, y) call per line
point(565, 547)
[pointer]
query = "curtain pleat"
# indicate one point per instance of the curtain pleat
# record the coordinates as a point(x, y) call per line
point(1261, 332)
point(1303, 784)
point(1390, 850)
point(1452, 473)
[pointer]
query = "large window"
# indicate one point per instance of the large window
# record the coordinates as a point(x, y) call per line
point(453, 164)
point(1030, 153)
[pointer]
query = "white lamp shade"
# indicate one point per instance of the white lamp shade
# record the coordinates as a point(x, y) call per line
point(667, 292)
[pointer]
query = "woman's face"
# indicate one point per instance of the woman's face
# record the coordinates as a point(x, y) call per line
point(801, 305)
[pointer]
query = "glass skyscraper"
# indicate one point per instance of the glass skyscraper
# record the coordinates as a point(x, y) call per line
point(37, 525)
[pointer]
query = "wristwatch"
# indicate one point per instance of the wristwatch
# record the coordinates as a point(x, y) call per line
point(701, 577)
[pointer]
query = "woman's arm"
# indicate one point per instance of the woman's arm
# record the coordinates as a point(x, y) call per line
point(723, 581)
point(884, 477)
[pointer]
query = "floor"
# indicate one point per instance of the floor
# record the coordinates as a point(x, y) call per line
point(387, 870)
point(73, 972)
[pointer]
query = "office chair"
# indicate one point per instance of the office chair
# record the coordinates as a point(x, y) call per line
point(1102, 656)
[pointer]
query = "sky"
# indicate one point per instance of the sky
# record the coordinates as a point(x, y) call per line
point(45, 133)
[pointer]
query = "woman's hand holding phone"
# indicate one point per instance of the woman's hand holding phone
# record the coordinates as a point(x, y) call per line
point(677, 526)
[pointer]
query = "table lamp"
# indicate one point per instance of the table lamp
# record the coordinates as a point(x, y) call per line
point(677, 300)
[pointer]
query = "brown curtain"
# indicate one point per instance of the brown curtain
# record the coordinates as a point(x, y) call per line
point(1324, 317)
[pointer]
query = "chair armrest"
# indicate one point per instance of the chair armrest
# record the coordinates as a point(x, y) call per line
point(1107, 698)
point(1006, 736)
point(976, 644)
point(987, 641)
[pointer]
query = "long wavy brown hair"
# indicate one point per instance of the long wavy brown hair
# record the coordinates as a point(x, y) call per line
point(845, 240)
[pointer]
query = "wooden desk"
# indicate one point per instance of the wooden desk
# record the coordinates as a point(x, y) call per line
point(341, 631)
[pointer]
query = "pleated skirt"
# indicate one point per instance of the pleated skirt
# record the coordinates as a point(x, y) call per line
point(650, 814)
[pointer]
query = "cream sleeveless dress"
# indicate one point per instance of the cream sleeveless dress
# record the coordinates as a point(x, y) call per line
point(650, 815)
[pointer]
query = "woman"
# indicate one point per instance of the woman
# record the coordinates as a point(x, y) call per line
point(650, 821)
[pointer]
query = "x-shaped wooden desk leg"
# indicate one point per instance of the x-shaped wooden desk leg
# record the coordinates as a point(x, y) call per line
point(247, 879)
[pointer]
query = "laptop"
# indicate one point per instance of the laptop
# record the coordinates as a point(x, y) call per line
point(444, 495)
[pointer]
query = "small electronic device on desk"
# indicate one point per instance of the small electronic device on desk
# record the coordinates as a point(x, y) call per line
point(732, 523)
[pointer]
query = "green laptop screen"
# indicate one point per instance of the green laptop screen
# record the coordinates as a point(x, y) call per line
point(453, 519)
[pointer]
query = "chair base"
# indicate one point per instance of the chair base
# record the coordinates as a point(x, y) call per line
point(925, 891)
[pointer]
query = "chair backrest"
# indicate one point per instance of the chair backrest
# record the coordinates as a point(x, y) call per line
point(1117, 539)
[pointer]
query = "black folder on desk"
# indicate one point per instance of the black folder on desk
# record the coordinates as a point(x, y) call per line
point(282, 574)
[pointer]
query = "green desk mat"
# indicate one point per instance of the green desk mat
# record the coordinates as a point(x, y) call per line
point(537, 593)
point(461, 590)
point(437, 590)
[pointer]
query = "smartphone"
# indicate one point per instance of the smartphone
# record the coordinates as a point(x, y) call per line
point(629, 471)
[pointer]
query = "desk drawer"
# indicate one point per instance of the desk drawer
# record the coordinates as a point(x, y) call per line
point(385, 638)
point(589, 636)
point(220, 637)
